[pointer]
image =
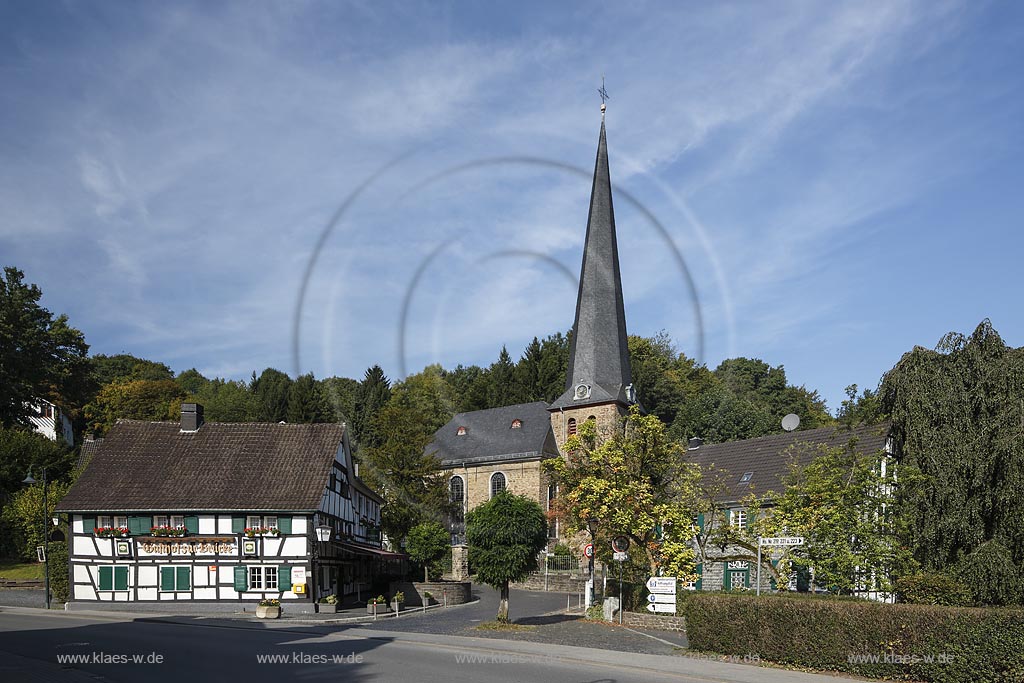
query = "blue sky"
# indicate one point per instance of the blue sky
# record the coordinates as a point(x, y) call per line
point(842, 181)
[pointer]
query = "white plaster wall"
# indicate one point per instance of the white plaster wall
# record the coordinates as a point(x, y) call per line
point(148, 576)
point(207, 524)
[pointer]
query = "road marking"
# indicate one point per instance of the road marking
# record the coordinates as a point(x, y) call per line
point(660, 640)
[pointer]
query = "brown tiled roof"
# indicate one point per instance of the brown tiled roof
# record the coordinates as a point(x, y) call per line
point(222, 466)
point(768, 458)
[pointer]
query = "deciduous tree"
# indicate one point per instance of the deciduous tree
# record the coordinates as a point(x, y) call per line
point(504, 535)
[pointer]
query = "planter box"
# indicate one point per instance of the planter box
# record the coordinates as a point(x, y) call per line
point(382, 608)
point(325, 608)
point(268, 612)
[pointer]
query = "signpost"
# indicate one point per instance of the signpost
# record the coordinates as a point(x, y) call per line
point(774, 542)
point(662, 596)
point(620, 544)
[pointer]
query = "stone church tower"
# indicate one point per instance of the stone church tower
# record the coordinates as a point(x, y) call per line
point(599, 383)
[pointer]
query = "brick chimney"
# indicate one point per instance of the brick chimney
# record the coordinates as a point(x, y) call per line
point(191, 417)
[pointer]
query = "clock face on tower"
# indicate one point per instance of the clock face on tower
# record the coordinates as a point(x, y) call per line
point(582, 391)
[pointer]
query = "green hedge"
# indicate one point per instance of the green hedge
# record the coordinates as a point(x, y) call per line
point(964, 644)
point(59, 571)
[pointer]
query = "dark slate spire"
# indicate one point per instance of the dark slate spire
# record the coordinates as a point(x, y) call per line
point(599, 354)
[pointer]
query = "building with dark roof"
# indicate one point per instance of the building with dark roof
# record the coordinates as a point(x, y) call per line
point(737, 470)
point(488, 451)
point(222, 514)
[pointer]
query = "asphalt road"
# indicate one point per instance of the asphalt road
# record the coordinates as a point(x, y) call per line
point(36, 646)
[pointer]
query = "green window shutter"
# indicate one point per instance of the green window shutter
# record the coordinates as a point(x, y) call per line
point(138, 526)
point(284, 525)
point(106, 578)
point(237, 525)
point(241, 578)
point(284, 578)
point(700, 522)
point(728, 517)
point(120, 578)
point(166, 578)
point(88, 524)
point(700, 571)
point(192, 524)
point(184, 581)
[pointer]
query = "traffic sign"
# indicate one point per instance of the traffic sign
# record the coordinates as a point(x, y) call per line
point(620, 544)
point(620, 557)
point(782, 540)
point(662, 598)
point(659, 607)
point(662, 584)
point(588, 551)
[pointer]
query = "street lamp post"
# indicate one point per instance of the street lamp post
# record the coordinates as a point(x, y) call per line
point(46, 530)
point(592, 527)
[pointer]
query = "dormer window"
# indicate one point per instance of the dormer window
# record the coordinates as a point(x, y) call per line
point(461, 431)
point(747, 476)
point(517, 423)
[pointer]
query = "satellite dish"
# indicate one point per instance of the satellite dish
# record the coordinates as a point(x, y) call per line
point(791, 422)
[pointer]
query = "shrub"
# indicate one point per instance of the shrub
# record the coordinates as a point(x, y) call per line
point(932, 588)
point(59, 589)
point(993, 577)
point(965, 644)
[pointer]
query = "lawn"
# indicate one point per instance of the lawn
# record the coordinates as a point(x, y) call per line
point(10, 569)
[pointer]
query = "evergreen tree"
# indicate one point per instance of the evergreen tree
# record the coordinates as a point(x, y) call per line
point(374, 392)
point(227, 401)
point(957, 417)
point(271, 390)
point(340, 394)
point(500, 381)
point(527, 386)
point(305, 403)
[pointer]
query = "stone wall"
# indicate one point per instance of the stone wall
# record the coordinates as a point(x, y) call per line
point(661, 622)
point(521, 478)
point(560, 583)
point(460, 563)
point(457, 592)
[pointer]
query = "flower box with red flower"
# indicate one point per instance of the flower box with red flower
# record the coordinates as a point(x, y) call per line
point(168, 531)
point(111, 532)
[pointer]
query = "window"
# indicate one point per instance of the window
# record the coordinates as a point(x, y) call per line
point(457, 489)
point(517, 423)
point(461, 431)
point(553, 523)
point(497, 483)
point(592, 418)
point(746, 477)
point(270, 521)
point(263, 578)
point(175, 579)
point(113, 578)
point(115, 521)
point(739, 519)
point(253, 521)
point(738, 574)
point(177, 521)
point(572, 426)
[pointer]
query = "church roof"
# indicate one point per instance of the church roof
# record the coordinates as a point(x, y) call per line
point(599, 353)
point(760, 465)
point(488, 436)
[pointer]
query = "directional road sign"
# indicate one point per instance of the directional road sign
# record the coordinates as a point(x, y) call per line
point(662, 598)
point(660, 607)
point(662, 584)
point(782, 540)
point(620, 557)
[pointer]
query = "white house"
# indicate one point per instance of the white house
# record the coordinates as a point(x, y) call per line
point(222, 515)
point(50, 421)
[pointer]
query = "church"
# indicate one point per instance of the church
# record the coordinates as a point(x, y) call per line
point(487, 451)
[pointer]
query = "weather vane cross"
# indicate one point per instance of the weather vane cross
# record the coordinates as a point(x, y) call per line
point(603, 93)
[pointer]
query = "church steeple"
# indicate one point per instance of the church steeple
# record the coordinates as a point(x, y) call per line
point(599, 370)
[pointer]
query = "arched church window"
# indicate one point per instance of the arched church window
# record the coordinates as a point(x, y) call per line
point(457, 489)
point(572, 426)
point(592, 418)
point(497, 483)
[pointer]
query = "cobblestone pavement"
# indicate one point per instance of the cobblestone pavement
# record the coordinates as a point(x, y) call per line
point(544, 614)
